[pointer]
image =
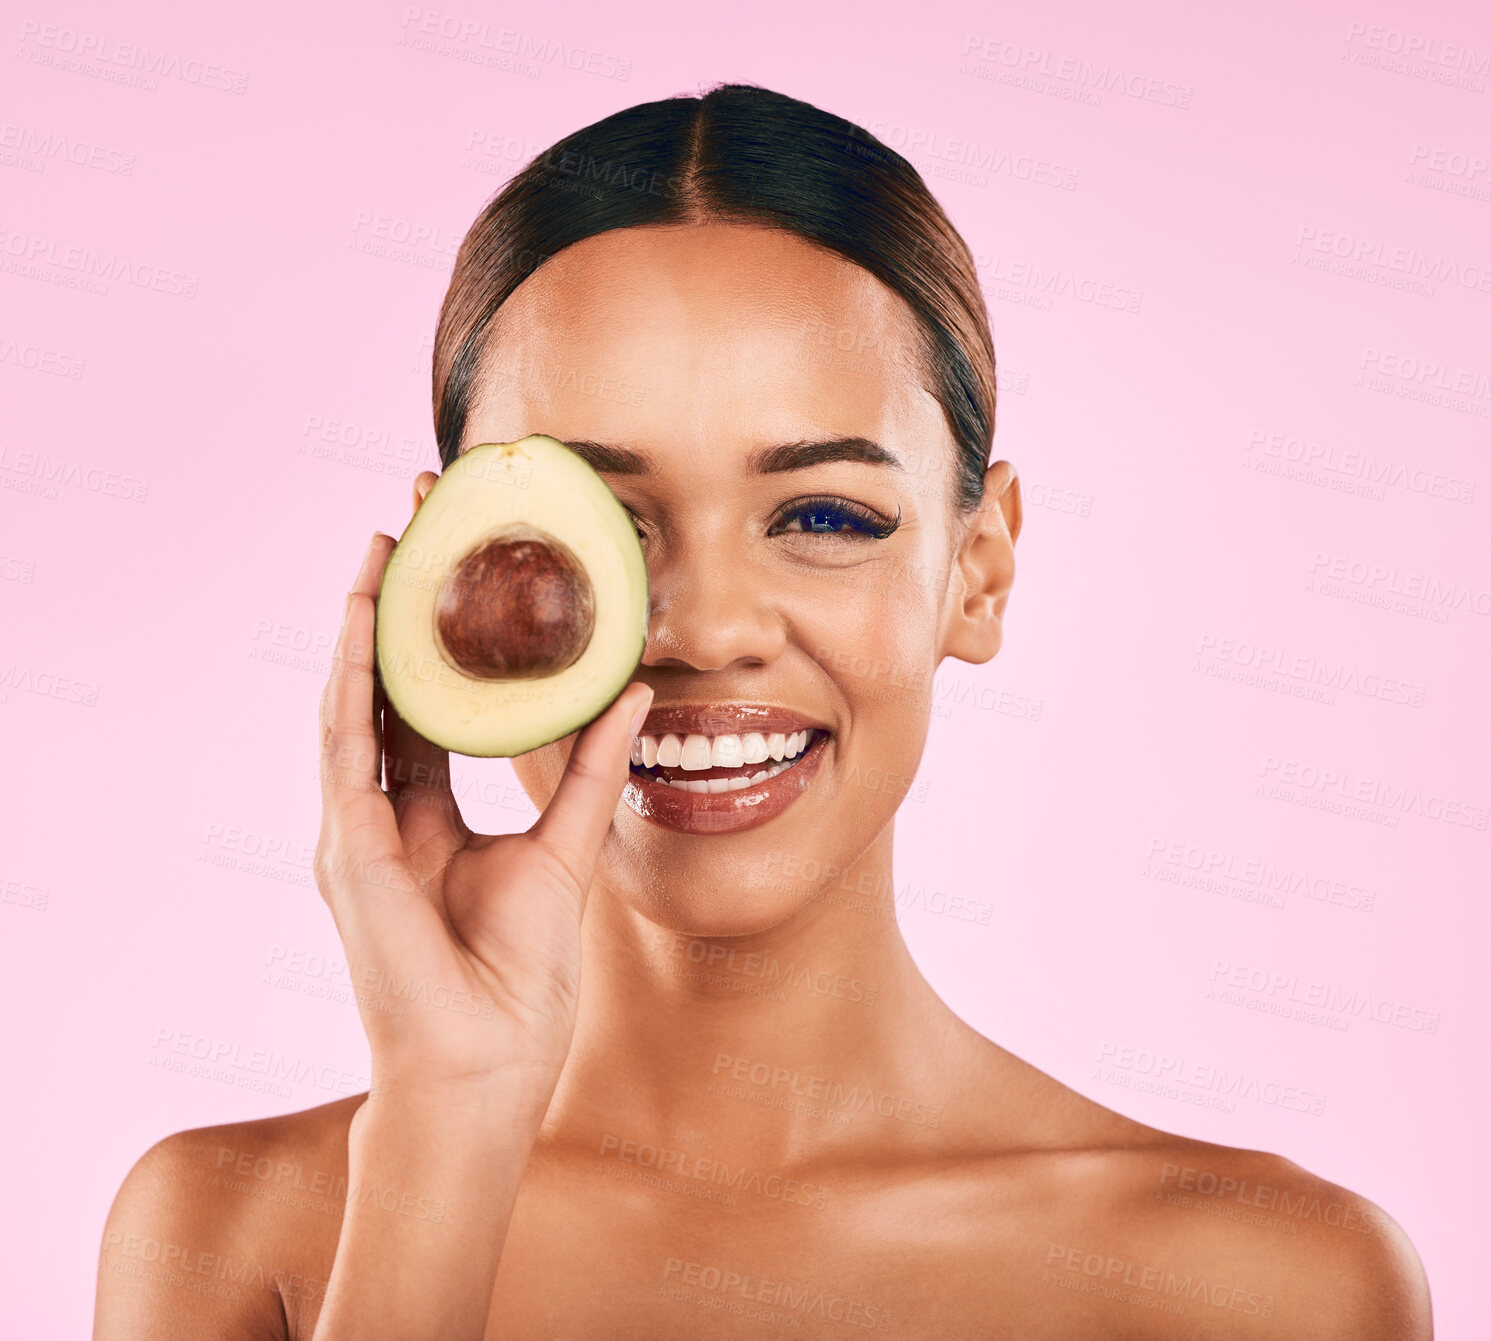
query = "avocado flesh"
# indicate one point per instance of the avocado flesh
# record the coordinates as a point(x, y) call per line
point(515, 493)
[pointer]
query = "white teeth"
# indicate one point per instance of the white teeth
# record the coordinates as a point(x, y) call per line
point(726, 752)
point(680, 784)
point(714, 786)
point(694, 752)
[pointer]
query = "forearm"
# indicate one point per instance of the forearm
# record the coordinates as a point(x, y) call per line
point(430, 1190)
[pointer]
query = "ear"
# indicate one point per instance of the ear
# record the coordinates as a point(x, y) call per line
point(423, 483)
point(985, 562)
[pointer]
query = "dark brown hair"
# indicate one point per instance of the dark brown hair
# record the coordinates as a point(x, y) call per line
point(743, 154)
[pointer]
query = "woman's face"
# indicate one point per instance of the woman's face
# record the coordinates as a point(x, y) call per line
point(793, 484)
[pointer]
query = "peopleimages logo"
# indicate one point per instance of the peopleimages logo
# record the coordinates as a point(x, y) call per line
point(1463, 390)
point(1034, 285)
point(1245, 1192)
point(1167, 1072)
point(70, 49)
point(743, 1294)
point(1364, 257)
point(1451, 171)
point(47, 472)
point(1336, 788)
point(767, 968)
point(227, 1060)
point(1223, 865)
point(1117, 1277)
point(27, 255)
point(1349, 471)
point(1419, 47)
point(1450, 162)
point(48, 145)
point(473, 37)
point(942, 155)
point(1328, 678)
point(38, 358)
point(1375, 582)
point(688, 1166)
point(1290, 988)
point(826, 1089)
point(46, 684)
point(1014, 63)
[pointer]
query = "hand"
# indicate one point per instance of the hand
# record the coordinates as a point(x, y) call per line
point(464, 948)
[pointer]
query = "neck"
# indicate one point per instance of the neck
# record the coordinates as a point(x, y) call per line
point(817, 1033)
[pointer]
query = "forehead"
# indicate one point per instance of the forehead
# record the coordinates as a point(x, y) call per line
point(681, 338)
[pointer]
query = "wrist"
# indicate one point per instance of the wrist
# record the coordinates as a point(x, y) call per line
point(513, 1098)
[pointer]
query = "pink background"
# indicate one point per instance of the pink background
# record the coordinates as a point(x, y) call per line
point(190, 472)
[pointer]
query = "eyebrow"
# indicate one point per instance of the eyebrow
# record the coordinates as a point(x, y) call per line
point(787, 456)
point(610, 460)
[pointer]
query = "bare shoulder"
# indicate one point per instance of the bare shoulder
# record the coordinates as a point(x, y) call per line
point(1161, 1235)
point(1242, 1235)
point(223, 1230)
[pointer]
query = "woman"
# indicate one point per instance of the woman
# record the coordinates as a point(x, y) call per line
point(750, 1114)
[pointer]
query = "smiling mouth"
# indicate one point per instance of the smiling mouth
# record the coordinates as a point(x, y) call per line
point(711, 765)
point(721, 769)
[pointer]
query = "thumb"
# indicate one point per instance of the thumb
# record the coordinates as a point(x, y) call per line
point(576, 820)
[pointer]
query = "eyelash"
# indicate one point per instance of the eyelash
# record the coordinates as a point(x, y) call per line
point(858, 521)
point(848, 520)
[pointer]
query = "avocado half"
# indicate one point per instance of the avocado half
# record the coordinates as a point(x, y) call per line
point(514, 608)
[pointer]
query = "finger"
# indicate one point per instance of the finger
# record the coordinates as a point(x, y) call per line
point(380, 699)
point(417, 776)
point(351, 790)
point(423, 483)
point(576, 820)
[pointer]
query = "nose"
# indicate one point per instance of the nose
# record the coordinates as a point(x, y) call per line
point(710, 613)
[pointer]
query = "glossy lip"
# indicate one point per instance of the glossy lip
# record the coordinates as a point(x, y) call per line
point(724, 719)
point(724, 812)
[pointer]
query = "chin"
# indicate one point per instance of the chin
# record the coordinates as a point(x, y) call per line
point(736, 817)
point(738, 885)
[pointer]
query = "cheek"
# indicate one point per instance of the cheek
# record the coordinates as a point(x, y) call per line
point(539, 770)
point(876, 633)
point(877, 645)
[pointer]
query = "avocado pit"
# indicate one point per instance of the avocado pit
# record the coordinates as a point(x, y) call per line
point(518, 606)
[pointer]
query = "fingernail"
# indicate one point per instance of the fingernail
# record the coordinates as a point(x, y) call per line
point(640, 715)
